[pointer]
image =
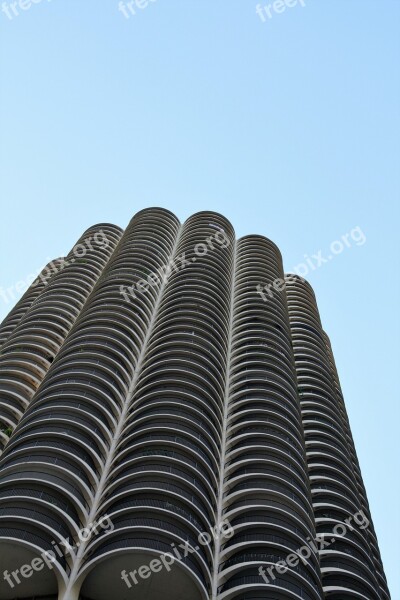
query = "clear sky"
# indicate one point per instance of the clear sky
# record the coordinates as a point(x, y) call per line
point(288, 126)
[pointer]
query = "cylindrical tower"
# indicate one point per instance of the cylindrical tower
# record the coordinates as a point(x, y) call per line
point(266, 496)
point(184, 435)
point(370, 531)
point(348, 561)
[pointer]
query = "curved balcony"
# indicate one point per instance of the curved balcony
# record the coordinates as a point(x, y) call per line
point(51, 321)
point(128, 554)
point(30, 296)
point(295, 584)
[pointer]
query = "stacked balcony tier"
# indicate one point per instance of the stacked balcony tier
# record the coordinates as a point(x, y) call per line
point(30, 296)
point(163, 482)
point(349, 559)
point(28, 352)
point(266, 494)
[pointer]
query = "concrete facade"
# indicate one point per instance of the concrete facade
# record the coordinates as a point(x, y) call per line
point(177, 428)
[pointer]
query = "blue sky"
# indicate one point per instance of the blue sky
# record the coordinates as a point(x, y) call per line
point(289, 127)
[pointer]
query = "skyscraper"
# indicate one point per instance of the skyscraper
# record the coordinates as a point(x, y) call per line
point(172, 432)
